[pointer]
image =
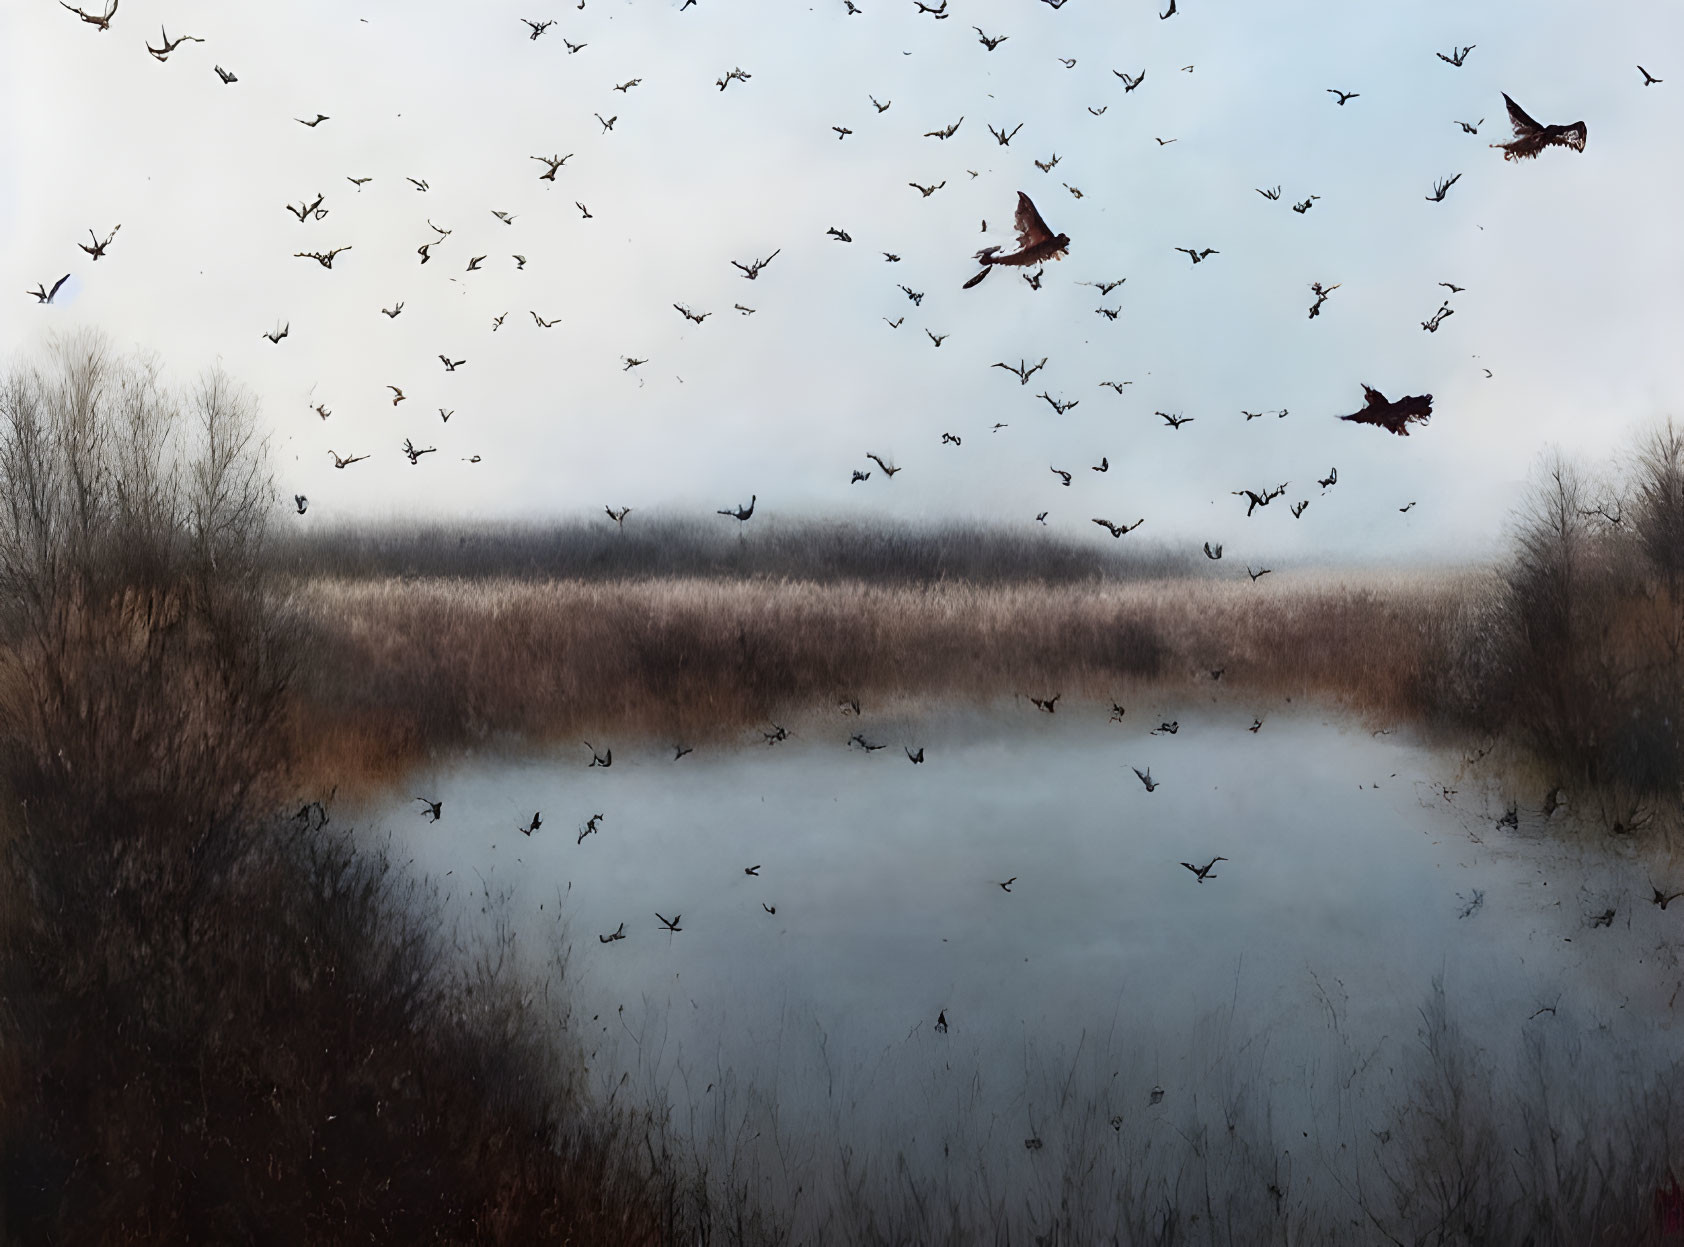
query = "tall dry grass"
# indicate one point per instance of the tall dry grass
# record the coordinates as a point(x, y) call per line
point(400, 668)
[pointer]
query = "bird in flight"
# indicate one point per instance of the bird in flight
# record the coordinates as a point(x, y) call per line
point(347, 461)
point(684, 311)
point(1342, 95)
point(619, 934)
point(937, 338)
point(1164, 142)
point(1257, 575)
point(505, 217)
point(538, 28)
point(736, 75)
point(301, 502)
point(1004, 137)
point(1272, 193)
point(1321, 294)
point(1049, 704)
point(1104, 464)
point(324, 258)
point(842, 132)
point(1394, 417)
point(1104, 288)
point(1146, 778)
point(840, 235)
point(1330, 480)
point(1175, 421)
point(859, 476)
point(1457, 55)
point(752, 271)
point(1440, 187)
point(1198, 257)
point(989, 43)
point(624, 88)
point(1046, 166)
point(1471, 127)
point(1064, 477)
point(98, 248)
point(607, 124)
point(1530, 137)
point(419, 184)
point(1023, 372)
point(551, 164)
point(1213, 552)
point(631, 362)
point(163, 53)
point(1129, 83)
point(1036, 242)
point(451, 365)
point(742, 512)
point(946, 133)
point(1305, 204)
point(1117, 530)
point(320, 117)
point(305, 210)
point(1167, 13)
point(393, 312)
point(573, 47)
point(102, 22)
point(413, 453)
point(1203, 872)
point(1649, 80)
point(881, 108)
point(398, 395)
point(1431, 326)
point(225, 75)
point(583, 211)
point(915, 758)
point(888, 469)
point(1007, 885)
point(1059, 405)
point(434, 810)
point(274, 335)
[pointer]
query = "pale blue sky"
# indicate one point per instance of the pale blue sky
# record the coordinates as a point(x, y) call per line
point(1571, 262)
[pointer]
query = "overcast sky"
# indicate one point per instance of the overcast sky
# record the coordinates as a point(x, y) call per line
point(1571, 262)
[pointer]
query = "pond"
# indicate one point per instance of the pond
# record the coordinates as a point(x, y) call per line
point(1109, 982)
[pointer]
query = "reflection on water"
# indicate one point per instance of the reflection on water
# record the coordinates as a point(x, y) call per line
point(1352, 879)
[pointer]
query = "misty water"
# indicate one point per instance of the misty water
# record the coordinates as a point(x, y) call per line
point(1360, 866)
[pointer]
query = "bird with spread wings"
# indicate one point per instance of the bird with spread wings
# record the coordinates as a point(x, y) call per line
point(1530, 137)
point(1036, 243)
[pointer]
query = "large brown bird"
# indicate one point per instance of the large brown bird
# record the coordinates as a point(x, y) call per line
point(1394, 417)
point(1036, 243)
point(1530, 137)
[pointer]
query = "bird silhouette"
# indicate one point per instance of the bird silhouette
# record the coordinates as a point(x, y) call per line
point(1305, 204)
point(888, 470)
point(1064, 477)
point(859, 476)
point(1104, 464)
point(274, 335)
point(945, 132)
point(671, 924)
point(1298, 508)
point(1331, 479)
point(752, 870)
point(414, 453)
point(474, 262)
point(541, 322)
point(619, 934)
point(1441, 187)
point(170, 45)
point(320, 117)
point(1531, 137)
point(1116, 385)
point(735, 75)
point(434, 810)
point(1047, 166)
point(1457, 55)
point(551, 164)
point(1166, 729)
point(226, 76)
point(858, 738)
point(1035, 240)
point(841, 235)
point(1394, 417)
point(43, 295)
point(534, 825)
point(398, 395)
point(894, 324)
point(324, 258)
point(1203, 872)
point(1023, 372)
point(1007, 885)
point(1117, 713)
point(678, 751)
point(1342, 95)
point(1471, 127)
point(98, 248)
point(1059, 405)
point(1117, 530)
point(1257, 575)
point(842, 132)
point(1049, 704)
point(393, 312)
point(590, 826)
point(1129, 83)
point(743, 512)
point(1198, 257)
point(1649, 80)
point(987, 42)
point(1321, 294)
point(752, 271)
point(101, 22)
point(573, 48)
point(941, 1022)
point(881, 108)
point(451, 365)
point(301, 502)
point(1146, 778)
point(1104, 288)
point(1174, 421)
point(605, 759)
point(1213, 552)
point(917, 296)
point(1001, 135)
point(1273, 193)
point(607, 123)
point(619, 517)
point(1406, 508)
point(951, 439)
point(631, 362)
point(1431, 324)
point(915, 758)
point(1256, 726)
point(538, 28)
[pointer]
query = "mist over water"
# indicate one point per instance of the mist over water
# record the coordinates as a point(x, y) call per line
point(1354, 879)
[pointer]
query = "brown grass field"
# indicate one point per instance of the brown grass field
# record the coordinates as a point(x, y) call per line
point(404, 668)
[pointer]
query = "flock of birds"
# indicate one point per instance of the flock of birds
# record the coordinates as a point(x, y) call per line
point(1037, 245)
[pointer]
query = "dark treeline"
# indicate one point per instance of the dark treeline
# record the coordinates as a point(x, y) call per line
point(657, 546)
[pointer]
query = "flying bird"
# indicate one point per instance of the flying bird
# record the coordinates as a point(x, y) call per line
point(1063, 476)
point(1213, 552)
point(1146, 778)
point(1203, 872)
point(392, 313)
point(274, 335)
point(624, 88)
point(347, 461)
point(398, 395)
point(1257, 575)
point(434, 810)
point(1175, 421)
point(752, 271)
point(102, 22)
point(551, 164)
point(1394, 417)
point(1272, 193)
point(945, 133)
point(1046, 166)
point(888, 470)
point(619, 517)
point(170, 45)
point(859, 477)
point(619, 934)
point(1049, 704)
point(324, 258)
point(1431, 326)
point(937, 338)
point(1343, 95)
point(1530, 137)
point(1457, 55)
point(225, 75)
point(1471, 127)
point(538, 28)
point(1060, 406)
point(1198, 257)
point(840, 235)
point(1117, 530)
point(1129, 83)
point(736, 75)
point(1023, 372)
point(881, 108)
point(1002, 136)
point(671, 924)
point(742, 512)
point(1440, 187)
point(1649, 80)
point(1321, 294)
point(451, 365)
point(987, 42)
point(1167, 13)
point(320, 117)
point(1036, 242)
point(301, 502)
point(1330, 480)
point(842, 132)
point(98, 248)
